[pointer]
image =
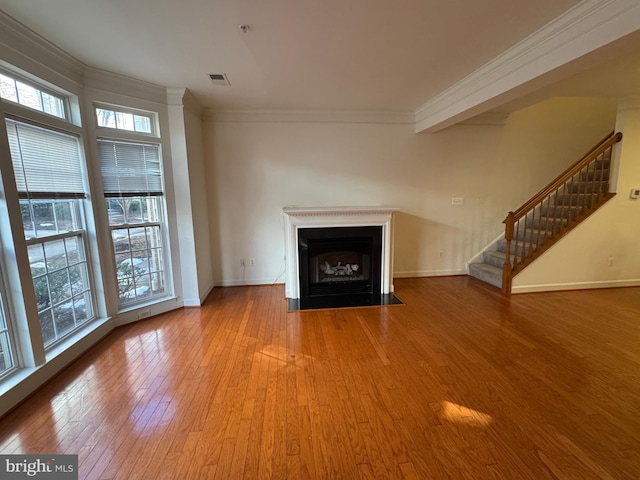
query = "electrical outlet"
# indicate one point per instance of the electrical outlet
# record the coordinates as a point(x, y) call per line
point(144, 313)
point(611, 261)
point(441, 254)
point(457, 201)
point(252, 262)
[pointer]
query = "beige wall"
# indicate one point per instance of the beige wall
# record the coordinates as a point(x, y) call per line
point(581, 260)
point(256, 168)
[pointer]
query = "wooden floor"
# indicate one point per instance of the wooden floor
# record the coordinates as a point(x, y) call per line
point(459, 383)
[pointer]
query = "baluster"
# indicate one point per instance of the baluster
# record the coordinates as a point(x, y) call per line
point(506, 268)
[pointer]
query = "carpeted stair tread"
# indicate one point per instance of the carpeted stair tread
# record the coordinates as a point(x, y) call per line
point(486, 273)
point(495, 258)
point(502, 246)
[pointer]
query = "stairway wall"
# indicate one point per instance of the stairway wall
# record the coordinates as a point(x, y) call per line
point(581, 259)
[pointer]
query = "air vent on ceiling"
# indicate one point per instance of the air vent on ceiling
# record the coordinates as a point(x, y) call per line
point(219, 79)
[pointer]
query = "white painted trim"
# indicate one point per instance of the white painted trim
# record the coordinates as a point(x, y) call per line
point(204, 296)
point(156, 308)
point(554, 287)
point(430, 273)
point(249, 282)
point(326, 217)
point(126, 86)
point(197, 302)
point(182, 97)
point(192, 302)
point(25, 42)
point(589, 25)
point(307, 116)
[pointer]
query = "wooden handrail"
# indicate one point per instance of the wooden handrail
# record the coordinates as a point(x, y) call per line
point(556, 209)
point(605, 143)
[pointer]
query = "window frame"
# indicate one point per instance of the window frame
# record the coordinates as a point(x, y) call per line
point(154, 138)
point(63, 126)
point(82, 235)
point(115, 131)
point(66, 103)
point(6, 313)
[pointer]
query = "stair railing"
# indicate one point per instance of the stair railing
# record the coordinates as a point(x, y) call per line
point(555, 209)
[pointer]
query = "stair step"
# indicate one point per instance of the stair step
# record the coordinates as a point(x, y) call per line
point(486, 273)
point(587, 187)
point(496, 258)
point(560, 212)
point(531, 233)
point(550, 224)
point(578, 199)
point(597, 175)
point(516, 246)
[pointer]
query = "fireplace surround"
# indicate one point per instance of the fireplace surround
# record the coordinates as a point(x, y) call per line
point(336, 237)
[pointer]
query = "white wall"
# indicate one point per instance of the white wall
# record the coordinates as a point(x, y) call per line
point(199, 201)
point(196, 269)
point(581, 259)
point(256, 168)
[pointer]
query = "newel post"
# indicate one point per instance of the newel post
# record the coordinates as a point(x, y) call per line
point(506, 268)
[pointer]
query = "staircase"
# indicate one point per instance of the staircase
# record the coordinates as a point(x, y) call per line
point(548, 216)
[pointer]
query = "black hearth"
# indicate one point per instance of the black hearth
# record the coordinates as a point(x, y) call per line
point(340, 266)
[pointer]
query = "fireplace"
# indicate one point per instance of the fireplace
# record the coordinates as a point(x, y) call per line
point(338, 256)
point(339, 260)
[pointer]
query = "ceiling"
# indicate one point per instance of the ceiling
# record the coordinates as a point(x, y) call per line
point(355, 55)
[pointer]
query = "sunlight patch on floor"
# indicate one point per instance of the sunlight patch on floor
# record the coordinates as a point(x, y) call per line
point(455, 413)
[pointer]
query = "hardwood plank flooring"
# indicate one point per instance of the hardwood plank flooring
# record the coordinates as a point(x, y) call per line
point(458, 383)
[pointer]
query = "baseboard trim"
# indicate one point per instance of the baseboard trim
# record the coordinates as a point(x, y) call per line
point(247, 282)
point(429, 273)
point(197, 302)
point(204, 296)
point(555, 287)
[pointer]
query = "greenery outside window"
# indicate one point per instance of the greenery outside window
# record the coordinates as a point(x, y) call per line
point(49, 177)
point(134, 194)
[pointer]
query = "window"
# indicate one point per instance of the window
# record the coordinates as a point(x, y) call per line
point(120, 120)
point(133, 187)
point(49, 177)
point(6, 354)
point(29, 96)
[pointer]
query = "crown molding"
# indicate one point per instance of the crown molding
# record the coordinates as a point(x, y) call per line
point(182, 97)
point(307, 116)
point(175, 96)
point(26, 49)
point(582, 29)
point(104, 80)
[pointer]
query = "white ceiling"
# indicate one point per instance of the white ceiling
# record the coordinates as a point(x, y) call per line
point(355, 55)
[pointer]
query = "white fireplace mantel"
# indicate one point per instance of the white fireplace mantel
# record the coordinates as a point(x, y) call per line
point(326, 217)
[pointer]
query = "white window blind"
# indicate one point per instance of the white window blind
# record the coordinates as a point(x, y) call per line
point(46, 163)
point(130, 169)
